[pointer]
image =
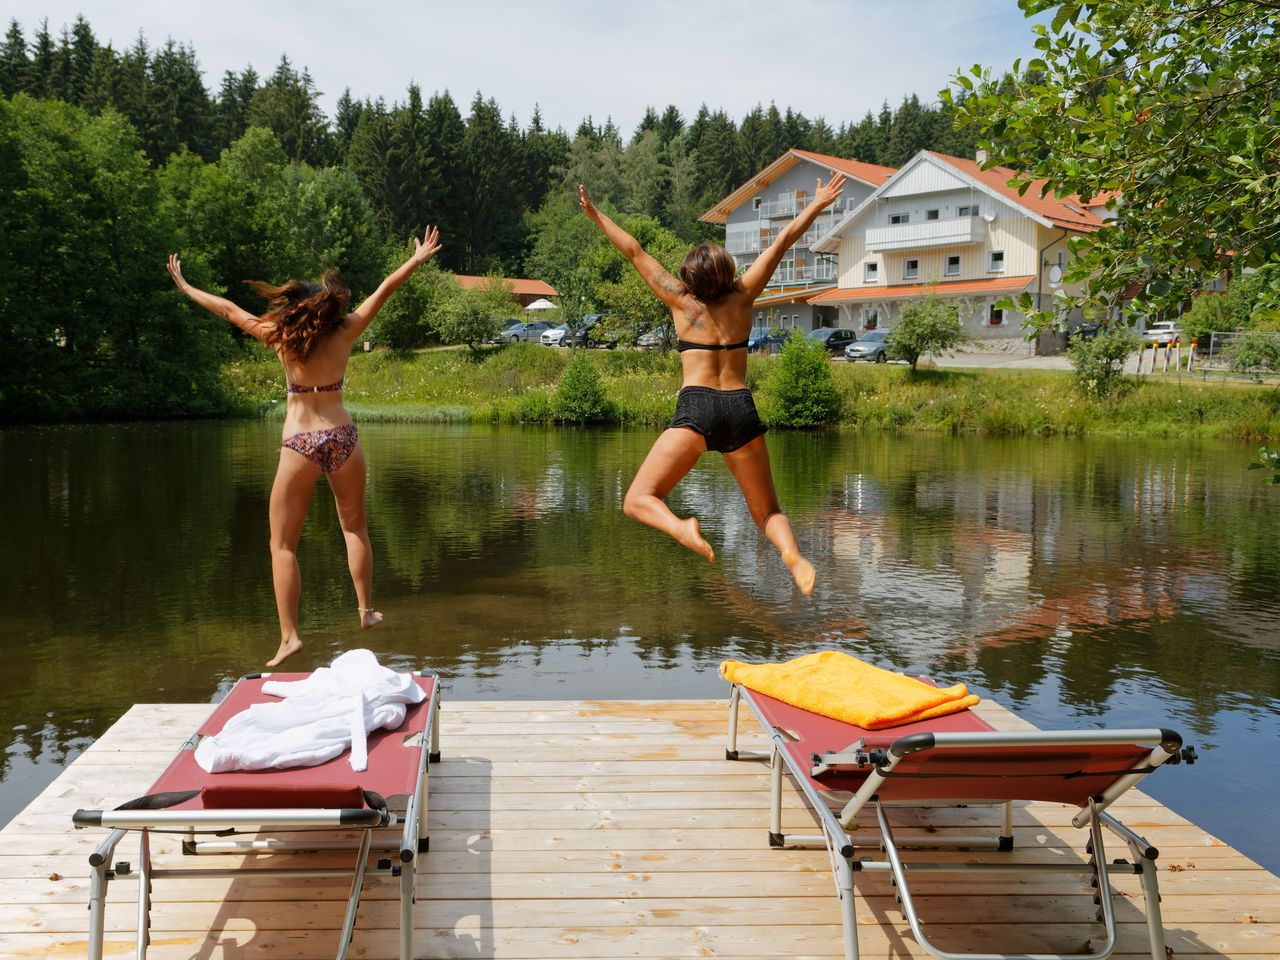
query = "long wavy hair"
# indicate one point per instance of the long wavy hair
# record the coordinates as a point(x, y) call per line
point(300, 313)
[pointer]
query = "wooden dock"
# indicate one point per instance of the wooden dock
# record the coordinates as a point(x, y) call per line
point(602, 830)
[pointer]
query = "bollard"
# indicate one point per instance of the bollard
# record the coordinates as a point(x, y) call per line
point(1142, 354)
point(1191, 355)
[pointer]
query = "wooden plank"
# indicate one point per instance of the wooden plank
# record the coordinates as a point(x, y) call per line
point(603, 829)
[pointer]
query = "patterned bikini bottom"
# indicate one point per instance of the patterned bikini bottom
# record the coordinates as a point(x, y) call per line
point(327, 449)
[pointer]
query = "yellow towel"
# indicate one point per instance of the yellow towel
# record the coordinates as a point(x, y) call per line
point(845, 688)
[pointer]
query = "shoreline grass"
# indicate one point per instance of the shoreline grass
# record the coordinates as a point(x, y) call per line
point(514, 384)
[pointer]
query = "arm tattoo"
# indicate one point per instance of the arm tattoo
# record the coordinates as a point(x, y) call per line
point(666, 282)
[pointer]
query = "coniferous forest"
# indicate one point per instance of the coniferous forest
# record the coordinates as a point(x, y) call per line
point(109, 159)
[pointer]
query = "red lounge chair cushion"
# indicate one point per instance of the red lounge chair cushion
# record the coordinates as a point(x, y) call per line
point(278, 796)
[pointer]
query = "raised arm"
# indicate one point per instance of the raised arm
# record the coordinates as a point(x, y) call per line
point(666, 287)
point(221, 306)
point(758, 274)
point(423, 250)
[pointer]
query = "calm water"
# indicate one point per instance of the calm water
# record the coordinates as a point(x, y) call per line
point(1079, 583)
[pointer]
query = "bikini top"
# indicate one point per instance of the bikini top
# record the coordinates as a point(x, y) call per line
point(683, 345)
point(323, 388)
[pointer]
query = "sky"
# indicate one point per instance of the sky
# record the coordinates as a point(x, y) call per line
point(575, 58)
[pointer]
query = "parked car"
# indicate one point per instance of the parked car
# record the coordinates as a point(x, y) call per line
point(591, 332)
point(869, 346)
point(658, 338)
point(529, 331)
point(509, 322)
point(760, 338)
point(835, 339)
point(1163, 333)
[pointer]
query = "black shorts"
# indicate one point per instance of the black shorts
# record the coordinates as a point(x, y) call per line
point(726, 418)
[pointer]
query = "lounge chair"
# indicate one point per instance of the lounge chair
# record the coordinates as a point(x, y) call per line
point(950, 760)
point(391, 792)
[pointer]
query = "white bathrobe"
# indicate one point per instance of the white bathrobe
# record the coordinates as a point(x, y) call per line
point(318, 718)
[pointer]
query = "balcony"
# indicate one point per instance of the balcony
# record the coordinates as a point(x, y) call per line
point(930, 233)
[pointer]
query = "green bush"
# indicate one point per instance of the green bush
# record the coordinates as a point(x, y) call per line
point(580, 396)
point(1099, 363)
point(1256, 353)
point(801, 392)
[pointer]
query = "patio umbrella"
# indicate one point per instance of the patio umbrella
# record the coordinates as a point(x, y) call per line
point(543, 304)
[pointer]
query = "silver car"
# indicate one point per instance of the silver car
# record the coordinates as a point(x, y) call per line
point(529, 332)
point(869, 346)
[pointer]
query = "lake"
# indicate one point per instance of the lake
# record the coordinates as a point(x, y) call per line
point(1079, 583)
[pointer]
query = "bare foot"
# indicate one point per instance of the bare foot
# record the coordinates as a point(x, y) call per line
point(691, 536)
point(369, 618)
point(287, 649)
point(802, 571)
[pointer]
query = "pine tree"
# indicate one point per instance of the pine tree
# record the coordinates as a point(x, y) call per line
point(288, 105)
point(445, 132)
point(179, 110)
point(367, 158)
point(101, 90)
point(670, 125)
point(231, 106)
point(43, 55)
point(345, 118)
point(648, 122)
point(490, 226)
point(15, 65)
point(80, 60)
point(411, 169)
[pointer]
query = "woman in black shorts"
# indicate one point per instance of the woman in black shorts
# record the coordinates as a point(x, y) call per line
point(711, 310)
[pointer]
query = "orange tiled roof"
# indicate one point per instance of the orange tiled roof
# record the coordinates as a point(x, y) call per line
point(532, 288)
point(1066, 213)
point(871, 173)
point(907, 291)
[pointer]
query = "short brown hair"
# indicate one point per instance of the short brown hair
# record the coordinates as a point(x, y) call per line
point(301, 312)
point(708, 272)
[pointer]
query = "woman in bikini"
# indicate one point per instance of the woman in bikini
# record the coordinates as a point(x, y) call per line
point(711, 310)
point(311, 331)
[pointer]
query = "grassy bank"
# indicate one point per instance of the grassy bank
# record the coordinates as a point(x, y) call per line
point(515, 384)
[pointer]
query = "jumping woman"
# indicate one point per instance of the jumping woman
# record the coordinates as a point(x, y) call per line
point(711, 310)
point(311, 331)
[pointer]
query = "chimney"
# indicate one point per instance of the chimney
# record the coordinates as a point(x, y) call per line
point(980, 155)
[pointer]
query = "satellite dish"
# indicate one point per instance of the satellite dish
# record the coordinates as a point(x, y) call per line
point(1055, 275)
point(989, 217)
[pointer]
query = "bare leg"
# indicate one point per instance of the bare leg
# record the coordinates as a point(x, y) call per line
point(347, 484)
point(750, 467)
point(290, 497)
point(671, 457)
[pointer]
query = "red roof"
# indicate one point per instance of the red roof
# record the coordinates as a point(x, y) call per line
point(532, 288)
point(867, 172)
point(1067, 212)
point(907, 291)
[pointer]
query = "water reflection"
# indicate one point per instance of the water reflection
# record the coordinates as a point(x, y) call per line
point(1079, 583)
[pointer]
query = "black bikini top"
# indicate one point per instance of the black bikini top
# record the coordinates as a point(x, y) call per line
point(323, 388)
point(683, 345)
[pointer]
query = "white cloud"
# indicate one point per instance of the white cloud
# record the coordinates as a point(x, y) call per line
point(576, 58)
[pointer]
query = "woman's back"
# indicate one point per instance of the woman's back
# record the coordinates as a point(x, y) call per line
point(725, 323)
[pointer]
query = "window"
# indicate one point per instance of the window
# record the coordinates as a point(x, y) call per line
point(931, 214)
point(995, 318)
point(755, 203)
point(871, 272)
point(899, 218)
point(869, 319)
point(997, 261)
point(910, 269)
point(970, 211)
point(953, 266)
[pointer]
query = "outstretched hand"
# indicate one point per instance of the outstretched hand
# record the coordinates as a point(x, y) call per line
point(826, 195)
point(175, 270)
point(427, 247)
point(587, 206)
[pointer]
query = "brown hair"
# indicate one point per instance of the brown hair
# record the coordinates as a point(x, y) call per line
point(708, 272)
point(301, 313)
